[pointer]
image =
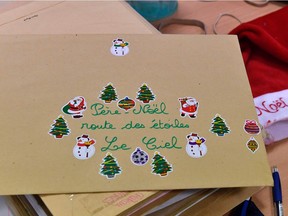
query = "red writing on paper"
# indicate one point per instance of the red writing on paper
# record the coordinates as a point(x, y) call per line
point(131, 199)
point(272, 107)
point(114, 197)
point(120, 199)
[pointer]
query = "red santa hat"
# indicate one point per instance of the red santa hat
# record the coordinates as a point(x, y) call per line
point(193, 135)
point(264, 46)
point(83, 136)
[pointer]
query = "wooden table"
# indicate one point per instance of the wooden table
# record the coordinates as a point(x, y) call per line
point(209, 11)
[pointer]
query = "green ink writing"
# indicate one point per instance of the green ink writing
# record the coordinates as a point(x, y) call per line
point(131, 125)
point(159, 124)
point(105, 125)
point(152, 145)
point(100, 109)
point(151, 109)
point(114, 147)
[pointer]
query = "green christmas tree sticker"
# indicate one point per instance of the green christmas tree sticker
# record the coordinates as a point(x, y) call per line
point(145, 94)
point(108, 94)
point(59, 128)
point(219, 126)
point(160, 166)
point(109, 167)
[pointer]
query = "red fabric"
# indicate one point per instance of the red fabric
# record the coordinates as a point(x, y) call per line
point(264, 46)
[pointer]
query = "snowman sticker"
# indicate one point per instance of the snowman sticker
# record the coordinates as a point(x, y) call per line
point(84, 149)
point(188, 107)
point(119, 47)
point(196, 147)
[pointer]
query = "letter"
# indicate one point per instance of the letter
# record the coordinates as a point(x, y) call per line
point(95, 108)
point(85, 125)
point(127, 126)
point(151, 142)
point(115, 147)
point(163, 108)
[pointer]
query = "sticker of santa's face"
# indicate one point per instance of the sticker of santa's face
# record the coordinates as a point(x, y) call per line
point(119, 47)
point(75, 107)
point(84, 148)
point(188, 107)
point(196, 147)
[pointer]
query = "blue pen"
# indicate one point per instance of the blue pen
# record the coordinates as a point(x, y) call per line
point(245, 207)
point(277, 193)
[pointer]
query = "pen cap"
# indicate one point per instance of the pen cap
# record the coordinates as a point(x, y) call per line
point(277, 195)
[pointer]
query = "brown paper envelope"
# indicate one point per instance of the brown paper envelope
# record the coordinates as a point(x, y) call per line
point(72, 17)
point(112, 203)
point(179, 103)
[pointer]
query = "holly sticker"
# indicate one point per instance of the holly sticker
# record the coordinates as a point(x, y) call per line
point(110, 167)
point(84, 148)
point(126, 104)
point(119, 47)
point(108, 94)
point(59, 128)
point(251, 127)
point(139, 157)
point(196, 147)
point(252, 145)
point(145, 94)
point(160, 166)
point(75, 107)
point(188, 107)
point(219, 126)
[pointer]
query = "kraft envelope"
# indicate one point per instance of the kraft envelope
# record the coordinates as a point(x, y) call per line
point(95, 113)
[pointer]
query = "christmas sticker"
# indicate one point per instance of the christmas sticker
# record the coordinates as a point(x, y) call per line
point(219, 126)
point(110, 167)
point(126, 104)
point(84, 148)
point(119, 47)
point(145, 94)
point(251, 127)
point(139, 157)
point(75, 107)
point(59, 128)
point(188, 107)
point(196, 147)
point(108, 94)
point(252, 145)
point(160, 166)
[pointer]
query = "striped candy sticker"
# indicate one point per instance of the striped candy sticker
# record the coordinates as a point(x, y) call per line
point(251, 127)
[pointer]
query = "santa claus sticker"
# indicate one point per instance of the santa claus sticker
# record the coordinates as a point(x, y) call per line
point(84, 148)
point(119, 47)
point(188, 107)
point(196, 147)
point(75, 107)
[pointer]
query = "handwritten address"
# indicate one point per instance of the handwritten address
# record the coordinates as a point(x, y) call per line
point(112, 143)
